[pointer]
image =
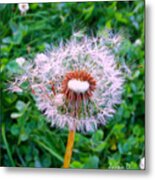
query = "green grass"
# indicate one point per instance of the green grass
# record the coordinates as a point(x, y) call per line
point(27, 139)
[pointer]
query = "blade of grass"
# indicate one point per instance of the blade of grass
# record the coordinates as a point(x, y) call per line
point(6, 145)
point(20, 158)
point(51, 151)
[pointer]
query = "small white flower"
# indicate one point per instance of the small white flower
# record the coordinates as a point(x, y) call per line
point(138, 42)
point(23, 7)
point(142, 163)
point(20, 61)
point(59, 99)
point(78, 86)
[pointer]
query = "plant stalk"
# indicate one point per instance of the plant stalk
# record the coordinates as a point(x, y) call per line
point(69, 149)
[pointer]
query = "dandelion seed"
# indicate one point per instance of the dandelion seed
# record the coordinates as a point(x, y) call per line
point(15, 89)
point(59, 100)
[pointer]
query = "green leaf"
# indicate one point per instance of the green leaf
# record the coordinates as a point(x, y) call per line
point(100, 147)
point(13, 67)
point(88, 12)
point(114, 163)
point(23, 136)
point(46, 161)
point(20, 106)
point(92, 162)
point(37, 163)
point(132, 165)
point(14, 27)
point(77, 164)
point(97, 136)
point(137, 130)
point(120, 17)
point(15, 130)
point(7, 40)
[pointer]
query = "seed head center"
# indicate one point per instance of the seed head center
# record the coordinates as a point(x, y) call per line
point(78, 86)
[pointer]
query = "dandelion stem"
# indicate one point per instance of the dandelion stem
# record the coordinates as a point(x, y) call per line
point(69, 148)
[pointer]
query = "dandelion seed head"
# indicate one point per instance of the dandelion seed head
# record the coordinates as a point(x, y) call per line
point(77, 84)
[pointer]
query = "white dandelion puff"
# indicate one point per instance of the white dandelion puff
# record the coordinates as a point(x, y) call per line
point(23, 7)
point(77, 84)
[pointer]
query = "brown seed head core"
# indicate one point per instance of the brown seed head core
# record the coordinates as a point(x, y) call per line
point(81, 76)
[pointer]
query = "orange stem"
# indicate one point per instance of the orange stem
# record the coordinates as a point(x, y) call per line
point(69, 148)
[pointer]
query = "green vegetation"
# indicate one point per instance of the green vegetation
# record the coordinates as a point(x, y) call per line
point(26, 138)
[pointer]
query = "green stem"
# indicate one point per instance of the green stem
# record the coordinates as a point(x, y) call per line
point(6, 145)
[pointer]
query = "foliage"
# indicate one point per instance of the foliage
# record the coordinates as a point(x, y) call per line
point(26, 138)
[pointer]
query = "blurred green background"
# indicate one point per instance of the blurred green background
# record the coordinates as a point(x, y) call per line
point(27, 140)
